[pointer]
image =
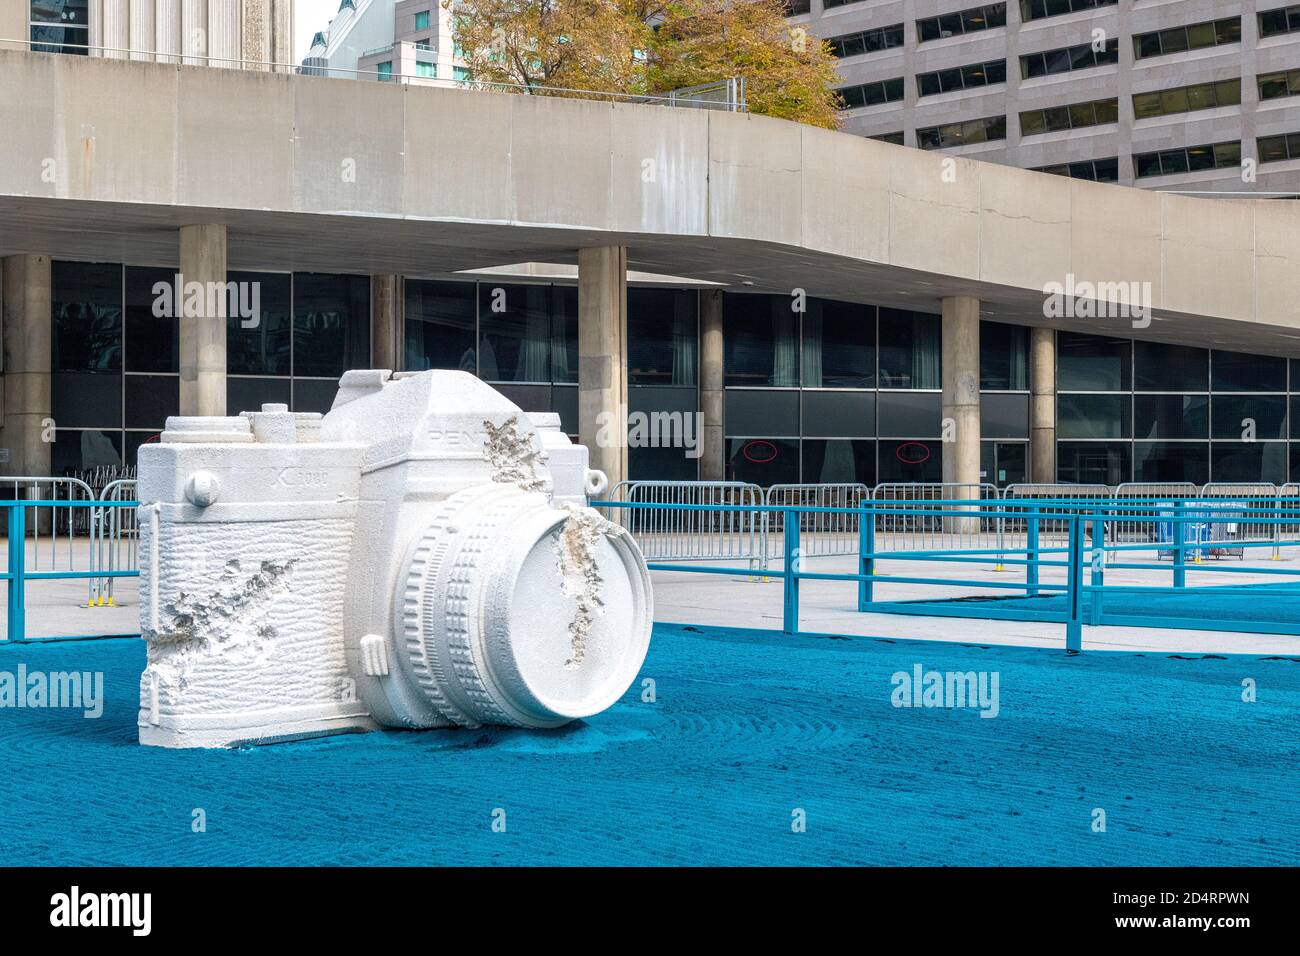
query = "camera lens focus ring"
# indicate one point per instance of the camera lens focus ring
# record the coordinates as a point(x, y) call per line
point(519, 613)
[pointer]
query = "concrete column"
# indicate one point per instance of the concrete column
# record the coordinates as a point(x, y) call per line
point(961, 389)
point(387, 322)
point(961, 402)
point(713, 452)
point(14, 16)
point(116, 28)
point(1042, 405)
point(602, 358)
point(27, 321)
point(203, 337)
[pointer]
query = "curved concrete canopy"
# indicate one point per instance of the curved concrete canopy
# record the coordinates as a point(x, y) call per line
point(105, 158)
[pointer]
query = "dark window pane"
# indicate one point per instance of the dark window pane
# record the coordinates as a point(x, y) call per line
point(839, 348)
point(1092, 416)
point(1087, 462)
point(661, 464)
point(1004, 356)
point(1146, 164)
point(1243, 372)
point(662, 336)
point(839, 461)
point(250, 394)
point(150, 399)
point(1248, 461)
point(761, 340)
point(152, 343)
point(87, 312)
point(440, 325)
point(1171, 461)
point(1147, 45)
point(133, 442)
point(564, 334)
point(1158, 367)
point(261, 346)
point(76, 450)
point(331, 323)
point(909, 414)
point(909, 461)
point(1237, 416)
point(1272, 148)
point(514, 333)
point(763, 461)
point(1171, 416)
point(840, 414)
point(909, 349)
point(760, 412)
point(1092, 363)
point(86, 399)
point(1004, 416)
point(313, 395)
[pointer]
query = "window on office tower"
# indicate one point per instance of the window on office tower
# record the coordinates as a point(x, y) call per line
point(867, 41)
point(1274, 23)
point(965, 21)
point(1186, 99)
point(988, 129)
point(966, 77)
point(1274, 149)
point(1194, 37)
point(1056, 119)
point(1039, 9)
point(1275, 85)
point(1192, 159)
point(1097, 170)
point(1081, 57)
point(871, 94)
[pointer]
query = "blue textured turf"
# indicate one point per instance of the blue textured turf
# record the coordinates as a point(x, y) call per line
point(747, 727)
point(1256, 603)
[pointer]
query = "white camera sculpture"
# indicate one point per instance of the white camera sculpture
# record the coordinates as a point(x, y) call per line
point(421, 556)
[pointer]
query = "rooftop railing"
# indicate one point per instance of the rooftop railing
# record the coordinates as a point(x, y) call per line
point(724, 95)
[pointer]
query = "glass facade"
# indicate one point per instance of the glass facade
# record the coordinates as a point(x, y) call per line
point(60, 26)
point(816, 390)
point(115, 360)
point(841, 392)
point(1153, 412)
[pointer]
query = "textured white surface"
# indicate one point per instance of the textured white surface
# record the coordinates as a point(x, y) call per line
point(400, 562)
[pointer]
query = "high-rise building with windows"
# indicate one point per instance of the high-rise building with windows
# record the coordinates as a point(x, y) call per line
point(407, 41)
point(248, 34)
point(1193, 95)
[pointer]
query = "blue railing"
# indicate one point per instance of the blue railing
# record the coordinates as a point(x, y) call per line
point(17, 575)
point(1185, 531)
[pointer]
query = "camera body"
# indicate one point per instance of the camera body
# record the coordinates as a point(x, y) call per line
point(421, 556)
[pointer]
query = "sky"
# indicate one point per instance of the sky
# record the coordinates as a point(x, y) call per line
point(309, 16)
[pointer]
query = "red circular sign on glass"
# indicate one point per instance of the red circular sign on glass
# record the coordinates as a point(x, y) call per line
point(759, 451)
point(912, 453)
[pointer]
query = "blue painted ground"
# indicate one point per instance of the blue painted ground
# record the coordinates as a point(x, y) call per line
point(747, 727)
point(1227, 607)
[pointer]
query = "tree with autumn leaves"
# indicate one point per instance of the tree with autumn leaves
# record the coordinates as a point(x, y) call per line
point(647, 47)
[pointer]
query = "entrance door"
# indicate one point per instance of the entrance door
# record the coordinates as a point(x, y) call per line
point(1009, 464)
point(1003, 463)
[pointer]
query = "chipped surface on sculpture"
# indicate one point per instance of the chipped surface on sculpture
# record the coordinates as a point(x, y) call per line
point(420, 557)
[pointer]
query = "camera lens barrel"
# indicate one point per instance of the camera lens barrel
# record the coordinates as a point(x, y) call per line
point(515, 612)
